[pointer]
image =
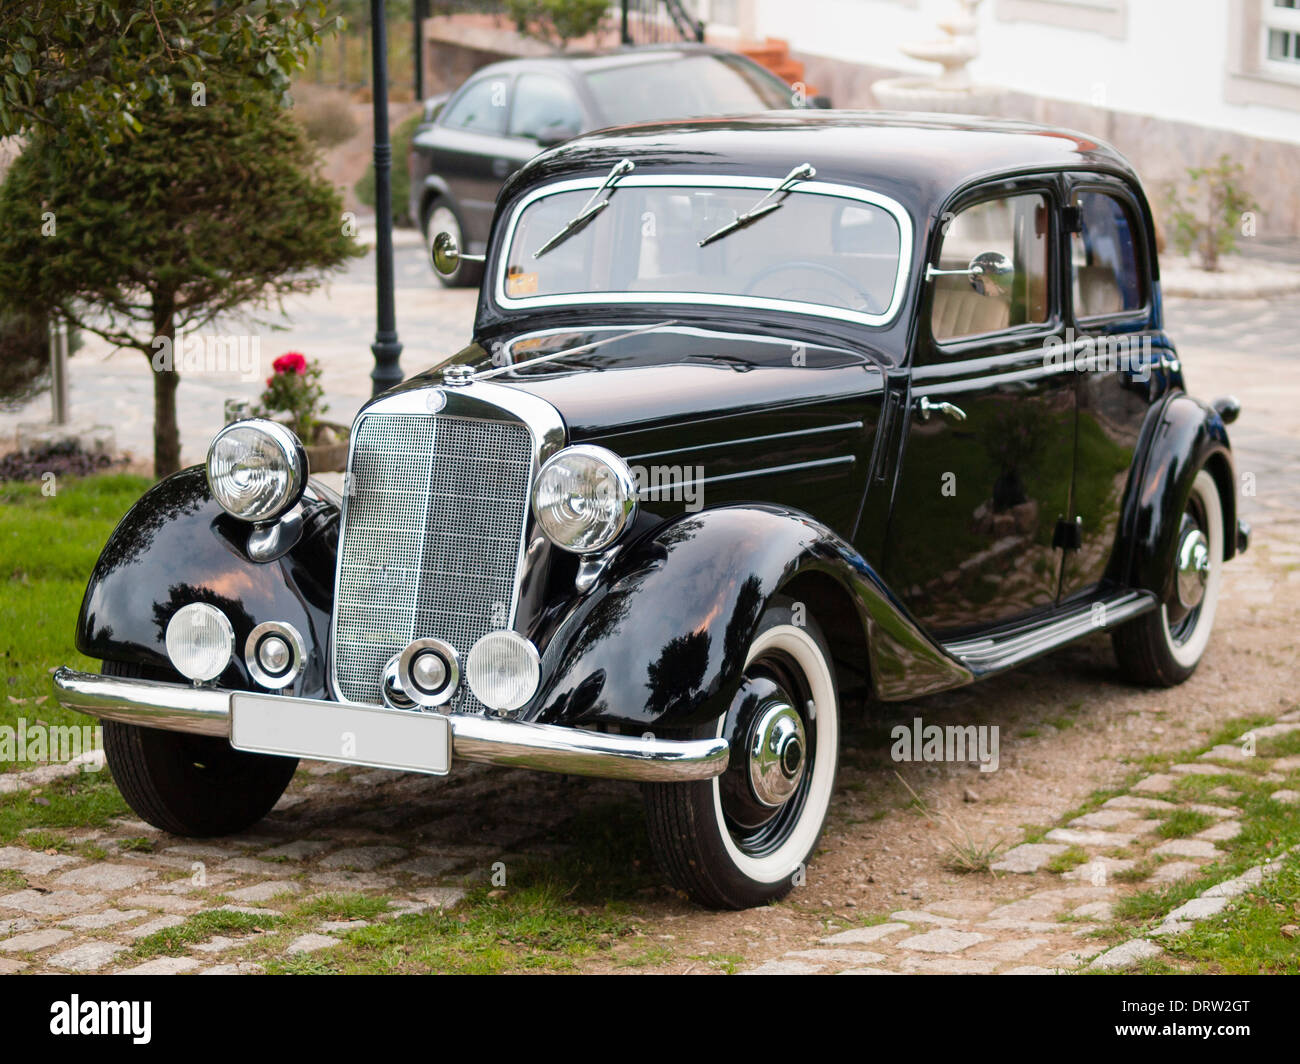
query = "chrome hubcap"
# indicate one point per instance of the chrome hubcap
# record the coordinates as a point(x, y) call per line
point(776, 754)
point(1193, 567)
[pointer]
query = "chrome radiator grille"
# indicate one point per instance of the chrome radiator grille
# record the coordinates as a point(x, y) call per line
point(430, 544)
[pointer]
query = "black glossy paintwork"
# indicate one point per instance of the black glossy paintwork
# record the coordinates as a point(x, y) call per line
point(661, 641)
point(177, 546)
point(813, 467)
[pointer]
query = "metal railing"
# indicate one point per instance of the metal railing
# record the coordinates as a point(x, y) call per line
point(657, 22)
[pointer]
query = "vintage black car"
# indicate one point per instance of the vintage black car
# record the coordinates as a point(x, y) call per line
point(468, 144)
point(764, 419)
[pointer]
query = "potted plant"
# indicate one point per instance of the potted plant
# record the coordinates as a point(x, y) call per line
point(294, 396)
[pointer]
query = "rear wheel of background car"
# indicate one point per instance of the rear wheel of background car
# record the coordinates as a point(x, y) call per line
point(1162, 648)
point(743, 838)
point(194, 785)
point(442, 219)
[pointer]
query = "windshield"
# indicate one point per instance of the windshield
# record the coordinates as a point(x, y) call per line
point(830, 250)
point(684, 88)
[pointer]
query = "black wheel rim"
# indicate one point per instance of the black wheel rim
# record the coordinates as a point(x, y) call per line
point(767, 837)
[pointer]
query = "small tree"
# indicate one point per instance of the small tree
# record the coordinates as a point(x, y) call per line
point(557, 22)
point(1207, 213)
point(206, 211)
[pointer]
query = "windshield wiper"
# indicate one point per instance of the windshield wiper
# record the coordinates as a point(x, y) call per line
point(589, 209)
point(574, 350)
point(803, 172)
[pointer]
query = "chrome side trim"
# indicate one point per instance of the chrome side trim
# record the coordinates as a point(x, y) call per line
point(760, 184)
point(649, 492)
point(847, 426)
point(993, 654)
point(542, 747)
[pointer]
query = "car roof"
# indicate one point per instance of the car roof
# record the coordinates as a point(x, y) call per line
point(918, 159)
point(583, 61)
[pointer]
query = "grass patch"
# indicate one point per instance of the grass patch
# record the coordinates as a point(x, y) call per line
point(1071, 858)
point(49, 545)
point(136, 845)
point(1184, 822)
point(175, 941)
point(88, 800)
point(1258, 933)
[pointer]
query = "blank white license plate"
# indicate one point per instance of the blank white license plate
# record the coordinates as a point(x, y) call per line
point(329, 731)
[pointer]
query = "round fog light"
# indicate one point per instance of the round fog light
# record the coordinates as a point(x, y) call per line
point(199, 641)
point(274, 653)
point(503, 671)
point(429, 672)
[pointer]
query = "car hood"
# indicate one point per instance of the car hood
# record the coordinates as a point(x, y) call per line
point(683, 380)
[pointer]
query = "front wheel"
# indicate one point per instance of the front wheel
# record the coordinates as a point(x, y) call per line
point(743, 838)
point(192, 785)
point(1162, 648)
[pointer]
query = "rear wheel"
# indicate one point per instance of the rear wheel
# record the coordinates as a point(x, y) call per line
point(194, 785)
point(743, 838)
point(1163, 648)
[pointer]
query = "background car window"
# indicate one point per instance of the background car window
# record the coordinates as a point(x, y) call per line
point(696, 85)
point(481, 107)
point(1016, 226)
point(543, 105)
point(1104, 258)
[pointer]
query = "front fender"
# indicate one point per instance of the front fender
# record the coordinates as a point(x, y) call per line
point(177, 546)
point(660, 641)
point(1180, 437)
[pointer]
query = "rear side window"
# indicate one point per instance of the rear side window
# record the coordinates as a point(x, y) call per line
point(481, 107)
point(1104, 257)
point(1015, 227)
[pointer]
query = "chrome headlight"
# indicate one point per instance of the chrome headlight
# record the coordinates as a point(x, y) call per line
point(584, 498)
point(257, 469)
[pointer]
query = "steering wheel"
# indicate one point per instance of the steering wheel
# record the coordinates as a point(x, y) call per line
point(816, 267)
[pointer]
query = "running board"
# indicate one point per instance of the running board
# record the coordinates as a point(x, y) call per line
point(995, 653)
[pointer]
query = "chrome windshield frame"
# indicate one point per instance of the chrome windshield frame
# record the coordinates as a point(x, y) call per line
point(757, 184)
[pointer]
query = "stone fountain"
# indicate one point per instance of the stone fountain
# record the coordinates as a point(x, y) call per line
point(952, 91)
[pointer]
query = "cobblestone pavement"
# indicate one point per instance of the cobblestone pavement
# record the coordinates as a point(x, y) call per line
point(87, 904)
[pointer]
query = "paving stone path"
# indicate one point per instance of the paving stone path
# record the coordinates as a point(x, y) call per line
point(1113, 851)
point(338, 830)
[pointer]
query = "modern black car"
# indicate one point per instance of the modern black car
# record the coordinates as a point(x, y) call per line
point(764, 421)
point(469, 143)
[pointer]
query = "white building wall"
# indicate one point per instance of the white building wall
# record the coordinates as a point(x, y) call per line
point(1170, 63)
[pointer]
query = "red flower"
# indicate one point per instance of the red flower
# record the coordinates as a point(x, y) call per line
point(290, 362)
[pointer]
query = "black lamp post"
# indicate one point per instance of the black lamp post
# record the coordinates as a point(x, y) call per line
point(386, 348)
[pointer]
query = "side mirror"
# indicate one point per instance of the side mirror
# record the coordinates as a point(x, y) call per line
point(447, 255)
point(554, 134)
point(988, 270)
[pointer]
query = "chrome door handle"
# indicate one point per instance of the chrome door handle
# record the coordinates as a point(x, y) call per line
point(926, 408)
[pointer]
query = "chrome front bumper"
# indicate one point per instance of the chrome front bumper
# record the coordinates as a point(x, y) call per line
point(543, 747)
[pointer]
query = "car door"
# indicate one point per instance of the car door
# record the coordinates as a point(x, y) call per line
point(985, 469)
point(1118, 352)
point(472, 153)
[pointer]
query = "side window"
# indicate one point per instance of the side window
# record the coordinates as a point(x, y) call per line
point(481, 107)
point(544, 106)
point(1014, 227)
point(1104, 257)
